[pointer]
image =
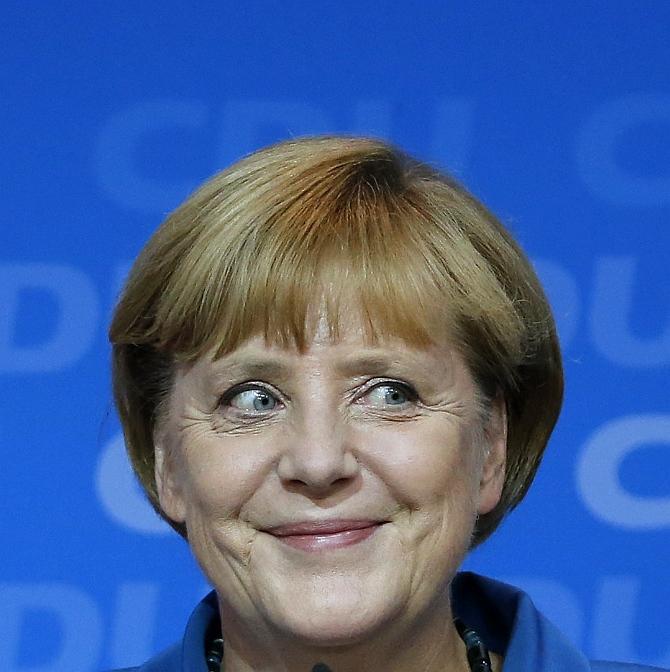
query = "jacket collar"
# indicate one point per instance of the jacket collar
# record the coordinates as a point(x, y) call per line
point(510, 624)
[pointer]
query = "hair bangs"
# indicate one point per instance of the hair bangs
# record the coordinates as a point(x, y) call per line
point(338, 264)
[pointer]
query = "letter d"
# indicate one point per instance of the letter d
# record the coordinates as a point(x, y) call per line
point(77, 317)
point(80, 625)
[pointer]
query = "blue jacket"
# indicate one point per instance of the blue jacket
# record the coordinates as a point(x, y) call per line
point(505, 618)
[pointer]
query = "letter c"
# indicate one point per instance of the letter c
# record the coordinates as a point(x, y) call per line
point(116, 165)
point(121, 496)
point(597, 145)
point(598, 473)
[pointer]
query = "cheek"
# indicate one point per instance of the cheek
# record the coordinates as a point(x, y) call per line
point(428, 467)
point(424, 462)
point(223, 472)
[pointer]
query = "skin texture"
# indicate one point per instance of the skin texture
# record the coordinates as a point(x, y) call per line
point(345, 430)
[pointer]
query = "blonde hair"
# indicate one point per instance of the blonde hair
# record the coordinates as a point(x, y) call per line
point(319, 220)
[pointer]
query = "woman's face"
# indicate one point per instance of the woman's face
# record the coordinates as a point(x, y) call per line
point(329, 493)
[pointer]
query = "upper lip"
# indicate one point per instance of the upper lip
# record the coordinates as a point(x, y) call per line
point(316, 527)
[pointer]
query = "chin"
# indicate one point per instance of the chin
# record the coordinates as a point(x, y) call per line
point(327, 628)
point(337, 612)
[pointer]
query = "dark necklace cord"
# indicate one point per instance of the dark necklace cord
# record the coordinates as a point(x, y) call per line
point(214, 655)
point(478, 654)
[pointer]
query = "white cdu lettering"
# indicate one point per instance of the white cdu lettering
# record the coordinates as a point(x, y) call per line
point(598, 143)
point(246, 123)
point(610, 316)
point(72, 335)
point(598, 473)
point(617, 604)
point(80, 626)
point(121, 496)
point(452, 135)
point(117, 151)
point(563, 294)
point(134, 625)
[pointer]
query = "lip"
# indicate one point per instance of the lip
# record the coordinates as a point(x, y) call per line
point(325, 534)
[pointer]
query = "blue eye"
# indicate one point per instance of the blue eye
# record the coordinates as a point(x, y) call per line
point(389, 394)
point(253, 400)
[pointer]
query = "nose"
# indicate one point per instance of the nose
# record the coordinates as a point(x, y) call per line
point(318, 458)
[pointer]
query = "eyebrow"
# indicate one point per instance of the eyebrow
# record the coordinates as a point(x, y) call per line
point(251, 368)
point(369, 363)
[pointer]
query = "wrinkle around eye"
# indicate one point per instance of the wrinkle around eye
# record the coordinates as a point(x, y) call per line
point(412, 411)
point(457, 410)
point(224, 424)
point(209, 424)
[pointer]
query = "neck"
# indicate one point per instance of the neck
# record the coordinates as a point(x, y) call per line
point(430, 644)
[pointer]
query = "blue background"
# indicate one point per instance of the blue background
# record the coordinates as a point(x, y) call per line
point(556, 115)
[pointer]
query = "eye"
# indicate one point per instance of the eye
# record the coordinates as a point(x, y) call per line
point(390, 394)
point(252, 400)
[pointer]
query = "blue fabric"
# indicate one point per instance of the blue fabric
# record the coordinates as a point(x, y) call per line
point(505, 617)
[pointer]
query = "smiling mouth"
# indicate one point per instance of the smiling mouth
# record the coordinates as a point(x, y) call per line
point(325, 535)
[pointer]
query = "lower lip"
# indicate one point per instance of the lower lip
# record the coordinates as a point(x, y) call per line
point(327, 542)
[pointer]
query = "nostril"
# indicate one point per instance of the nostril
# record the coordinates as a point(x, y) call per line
point(341, 487)
point(317, 466)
